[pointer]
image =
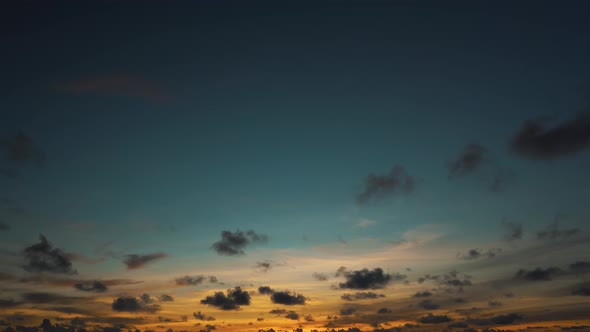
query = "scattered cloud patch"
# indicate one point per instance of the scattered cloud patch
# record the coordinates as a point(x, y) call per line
point(434, 319)
point(265, 290)
point(201, 316)
point(42, 257)
point(496, 320)
point(232, 301)
point(538, 274)
point(364, 279)
point(468, 161)
point(423, 294)
point(361, 296)
point(91, 286)
point(138, 261)
point(292, 315)
point(287, 298)
point(132, 304)
point(320, 276)
point(232, 244)
point(166, 298)
point(378, 186)
point(513, 231)
point(553, 232)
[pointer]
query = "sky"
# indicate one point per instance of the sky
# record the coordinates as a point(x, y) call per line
point(265, 166)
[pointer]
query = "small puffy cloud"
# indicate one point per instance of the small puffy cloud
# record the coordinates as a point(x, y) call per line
point(383, 311)
point(132, 304)
point(91, 286)
point(137, 261)
point(308, 318)
point(496, 320)
point(320, 276)
point(42, 257)
point(287, 298)
point(479, 253)
point(292, 315)
point(4, 226)
point(232, 301)
point(277, 311)
point(166, 298)
point(201, 316)
point(265, 290)
point(423, 294)
point(534, 141)
point(378, 186)
point(347, 311)
point(361, 296)
point(190, 280)
point(538, 274)
point(468, 161)
point(264, 266)
point(434, 319)
point(232, 244)
point(365, 279)
point(428, 305)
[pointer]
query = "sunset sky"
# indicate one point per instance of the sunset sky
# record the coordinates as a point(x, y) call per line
point(390, 166)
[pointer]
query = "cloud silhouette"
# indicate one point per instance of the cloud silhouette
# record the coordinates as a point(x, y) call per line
point(538, 274)
point(423, 294)
point(378, 186)
point(234, 299)
point(232, 244)
point(434, 319)
point(190, 281)
point(287, 298)
point(138, 261)
point(265, 290)
point(132, 304)
point(292, 315)
point(513, 231)
point(201, 316)
point(496, 320)
point(383, 311)
point(166, 298)
point(21, 150)
point(534, 141)
point(479, 253)
point(42, 257)
point(365, 279)
point(91, 286)
point(468, 161)
point(319, 276)
point(347, 311)
point(361, 296)
point(553, 232)
point(428, 305)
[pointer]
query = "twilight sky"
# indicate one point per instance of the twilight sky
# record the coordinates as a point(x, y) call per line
point(403, 165)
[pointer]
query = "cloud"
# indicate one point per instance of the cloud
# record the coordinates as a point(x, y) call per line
point(137, 261)
point(42, 297)
point(132, 304)
point(190, 281)
point(265, 290)
point(263, 266)
point(377, 186)
point(287, 298)
point(319, 276)
point(292, 315)
point(478, 253)
point(580, 267)
point(347, 311)
point(496, 320)
point(383, 311)
point(458, 325)
point(552, 232)
point(308, 318)
point(365, 279)
point(166, 298)
point(495, 303)
point(232, 244)
point(361, 296)
point(91, 286)
point(538, 274)
point(20, 149)
point(428, 305)
point(116, 85)
point(277, 311)
point(4, 227)
point(423, 294)
point(513, 231)
point(468, 161)
point(42, 257)
point(434, 319)
point(234, 299)
point(146, 298)
point(201, 316)
point(534, 141)
point(8, 303)
point(581, 291)
point(364, 223)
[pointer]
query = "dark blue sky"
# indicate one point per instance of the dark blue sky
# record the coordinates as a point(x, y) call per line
point(153, 126)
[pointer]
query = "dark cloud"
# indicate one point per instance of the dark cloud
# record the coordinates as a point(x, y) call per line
point(137, 261)
point(320, 276)
point(264, 266)
point(234, 299)
point(382, 311)
point(513, 231)
point(166, 298)
point(552, 232)
point(458, 325)
point(190, 281)
point(146, 298)
point(534, 141)
point(122, 84)
point(308, 318)
point(581, 291)
point(21, 149)
point(91, 286)
point(538, 274)
point(292, 315)
point(42, 257)
point(234, 243)
point(4, 227)
point(8, 303)
point(434, 319)
point(428, 305)
point(496, 320)
point(580, 267)
point(423, 294)
point(347, 311)
point(361, 296)
point(277, 311)
point(132, 304)
point(479, 253)
point(201, 316)
point(287, 298)
point(377, 186)
point(365, 279)
point(468, 161)
point(265, 290)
